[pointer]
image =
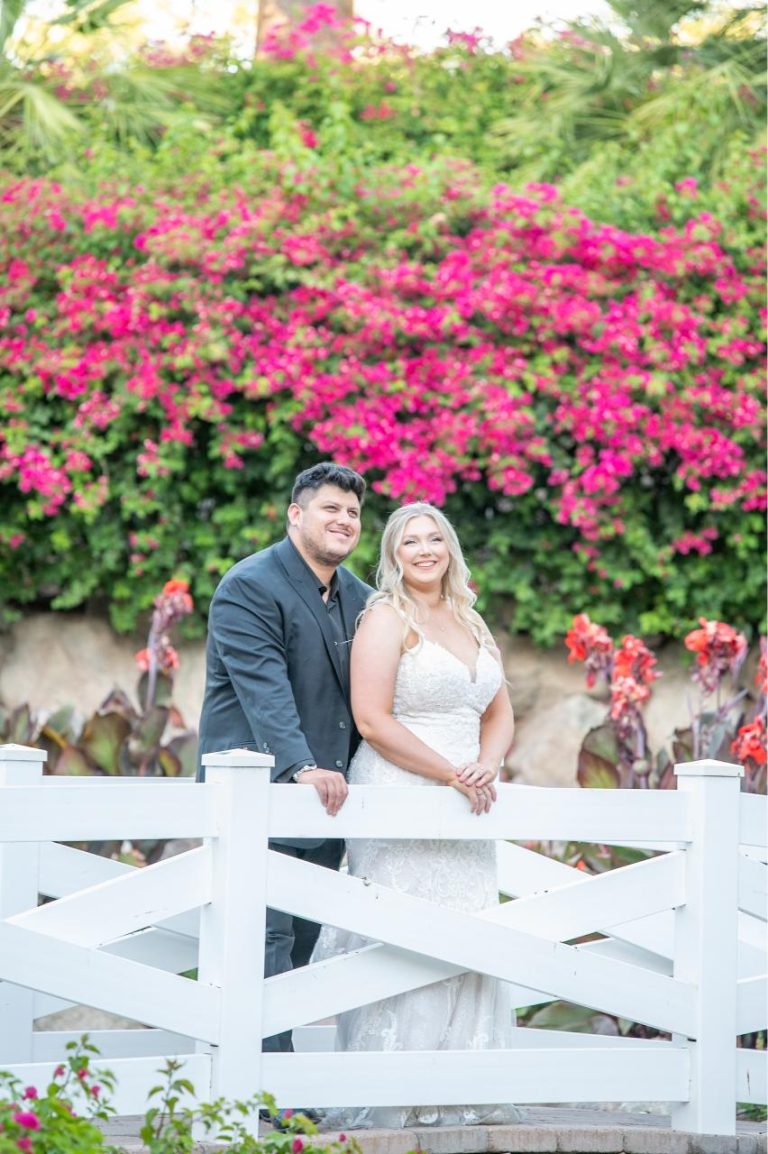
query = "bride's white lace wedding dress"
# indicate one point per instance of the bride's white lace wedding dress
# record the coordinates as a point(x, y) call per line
point(441, 700)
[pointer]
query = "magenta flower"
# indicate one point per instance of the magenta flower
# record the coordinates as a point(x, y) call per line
point(27, 1119)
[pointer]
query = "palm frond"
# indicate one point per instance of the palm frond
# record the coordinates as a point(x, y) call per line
point(656, 20)
point(87, 16)
point(725, 86)
point(10, 13)
point(34, 119)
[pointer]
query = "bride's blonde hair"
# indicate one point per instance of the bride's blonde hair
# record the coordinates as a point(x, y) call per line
point(392, 590)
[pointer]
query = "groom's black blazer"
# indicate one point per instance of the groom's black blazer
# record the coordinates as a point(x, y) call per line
point(274, 682)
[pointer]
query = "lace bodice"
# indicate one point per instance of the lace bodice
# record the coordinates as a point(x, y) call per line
point(441, 700)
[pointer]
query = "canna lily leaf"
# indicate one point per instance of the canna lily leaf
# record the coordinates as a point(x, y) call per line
point(63, 721)
point(168, 763)
point(72, 761)
point(118, 701)
point(682, 745)
point(163, 689)
point(102, 738)
point(598, 759)
point(20, 726)
point(184, 751)
point(565, 1016)
point(150, 729)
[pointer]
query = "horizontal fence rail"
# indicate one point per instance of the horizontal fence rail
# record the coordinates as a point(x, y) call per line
point(105, 809)
point(676, 942)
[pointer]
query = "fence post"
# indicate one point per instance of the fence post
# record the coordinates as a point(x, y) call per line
point(232, 925)
point(19, 882)
point(706, 943)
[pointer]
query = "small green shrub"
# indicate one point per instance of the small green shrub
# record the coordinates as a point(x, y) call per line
point(63, 1118)
point(60, 1119)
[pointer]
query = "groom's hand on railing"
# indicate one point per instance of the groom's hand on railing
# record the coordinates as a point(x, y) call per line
point(331, 787)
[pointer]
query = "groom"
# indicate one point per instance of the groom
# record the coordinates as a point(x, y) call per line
point(277, 671)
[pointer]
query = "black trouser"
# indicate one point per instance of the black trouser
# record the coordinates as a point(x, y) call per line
point(290, 940)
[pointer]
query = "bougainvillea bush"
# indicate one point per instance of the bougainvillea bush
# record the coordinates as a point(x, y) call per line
point(585, 401)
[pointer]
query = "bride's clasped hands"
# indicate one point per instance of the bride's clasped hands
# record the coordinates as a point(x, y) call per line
point(476, 782)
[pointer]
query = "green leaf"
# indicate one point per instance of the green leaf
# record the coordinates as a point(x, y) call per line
point(598, 759)
point(19, 726)
point(565, 1016)
point(170, 765)
point(150, 729)
point(163, 689)
point(62, 720)
point(184, 751)
point(682, 745)
point(102, 738)
point(117, 701)
point(72, 761)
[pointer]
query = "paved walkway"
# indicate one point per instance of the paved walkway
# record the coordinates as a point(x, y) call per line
point(545, 1130)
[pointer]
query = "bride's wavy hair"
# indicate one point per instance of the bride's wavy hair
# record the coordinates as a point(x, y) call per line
point(391, 588)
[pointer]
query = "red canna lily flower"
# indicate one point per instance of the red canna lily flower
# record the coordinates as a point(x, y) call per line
point(750, 742)
point(719, 649)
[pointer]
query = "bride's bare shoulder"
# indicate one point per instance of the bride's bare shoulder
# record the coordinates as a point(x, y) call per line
point(377, 619)
point(382, 622)
point(379, 610)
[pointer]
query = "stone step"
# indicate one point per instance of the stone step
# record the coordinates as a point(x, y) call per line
point(544, 1130)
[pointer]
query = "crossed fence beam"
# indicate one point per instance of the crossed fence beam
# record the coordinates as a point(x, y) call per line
point(93, 945)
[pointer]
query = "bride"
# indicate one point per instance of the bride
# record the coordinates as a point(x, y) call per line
point(429, 700)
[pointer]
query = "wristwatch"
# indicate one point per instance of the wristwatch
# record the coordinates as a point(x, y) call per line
point(295, 776)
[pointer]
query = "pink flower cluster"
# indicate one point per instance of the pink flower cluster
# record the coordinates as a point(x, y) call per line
point(532, 349)
point(293, 38)
point(30, 1123)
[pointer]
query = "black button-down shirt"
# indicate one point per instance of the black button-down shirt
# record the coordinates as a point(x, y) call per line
point(336, 622)
point(332, 605)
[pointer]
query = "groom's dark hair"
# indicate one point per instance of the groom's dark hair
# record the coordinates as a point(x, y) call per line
point(327, 473)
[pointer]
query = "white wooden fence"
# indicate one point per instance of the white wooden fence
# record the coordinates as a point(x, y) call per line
point(677, 942)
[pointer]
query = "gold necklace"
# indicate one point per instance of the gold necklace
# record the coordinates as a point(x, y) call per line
point(440, 628)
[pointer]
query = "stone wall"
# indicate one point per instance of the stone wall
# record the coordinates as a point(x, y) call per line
point(52, 659)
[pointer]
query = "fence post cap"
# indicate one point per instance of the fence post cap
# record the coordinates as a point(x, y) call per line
point(708, 768)
point(14, 752)
point(237, 758)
